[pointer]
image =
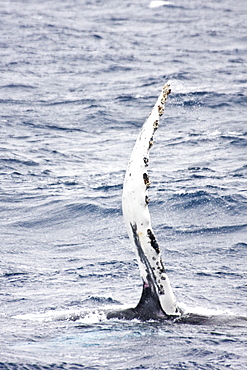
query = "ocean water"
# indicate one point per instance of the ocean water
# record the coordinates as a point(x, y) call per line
point(78, 79)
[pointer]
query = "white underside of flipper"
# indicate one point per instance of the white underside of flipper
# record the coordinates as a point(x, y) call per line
point(136, 213)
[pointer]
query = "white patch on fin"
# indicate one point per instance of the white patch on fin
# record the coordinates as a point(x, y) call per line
point(136, 213)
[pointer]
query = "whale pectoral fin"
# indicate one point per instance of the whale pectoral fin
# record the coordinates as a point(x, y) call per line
point(157, 300)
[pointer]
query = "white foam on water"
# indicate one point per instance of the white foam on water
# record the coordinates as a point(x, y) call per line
point(65, 315)
point(198, 310)
point(157, 4)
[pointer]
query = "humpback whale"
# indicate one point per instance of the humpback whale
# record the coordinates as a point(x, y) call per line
point(157, 300)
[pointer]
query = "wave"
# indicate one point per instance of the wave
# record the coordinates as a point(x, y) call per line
point(220, 274)
point(235, 140)
point(61, 366)
point(17, 86)
point(97, 301)
point(210, 99)
point(194, 199)
point(57, 213)
point(48, 127)
point(194, 230)
point(14, 161)
point(106, 270)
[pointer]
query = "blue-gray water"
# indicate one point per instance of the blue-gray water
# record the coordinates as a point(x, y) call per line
point(78, 79)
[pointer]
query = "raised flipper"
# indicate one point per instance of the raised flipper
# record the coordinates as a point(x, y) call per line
point(157, 300)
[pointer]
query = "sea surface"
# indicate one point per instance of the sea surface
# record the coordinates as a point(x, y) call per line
point(78, 79)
